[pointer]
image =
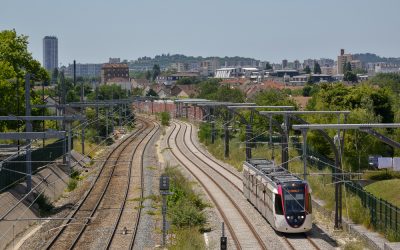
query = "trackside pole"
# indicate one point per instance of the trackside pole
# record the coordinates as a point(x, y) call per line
point(224, 240)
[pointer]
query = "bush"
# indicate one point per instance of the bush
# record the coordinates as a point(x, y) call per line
point(204, 133)
point(72, 184)
point(185, 207)
point(44, 204)
point(165, 118)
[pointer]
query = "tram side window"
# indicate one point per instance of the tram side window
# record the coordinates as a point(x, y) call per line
point(278, 204)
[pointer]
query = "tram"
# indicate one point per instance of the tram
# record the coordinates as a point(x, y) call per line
point(281, 197)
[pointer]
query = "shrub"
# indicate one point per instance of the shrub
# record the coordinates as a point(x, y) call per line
point(165, 118)
point(185, 207)
point(44, 204)
point(72, 184)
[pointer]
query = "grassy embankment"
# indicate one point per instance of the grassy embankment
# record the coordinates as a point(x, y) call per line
point(387, 190)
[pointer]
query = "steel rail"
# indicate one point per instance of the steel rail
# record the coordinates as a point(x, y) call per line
point(55, 238)
point(228, 224)
point(139, 212)
point(245, 219)
point(233, 173)
point(121, 210)
point(94, 210)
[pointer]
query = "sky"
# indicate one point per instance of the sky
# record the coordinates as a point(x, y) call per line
point(91, 31)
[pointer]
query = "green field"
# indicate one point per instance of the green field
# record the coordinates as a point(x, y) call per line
point(388, 190)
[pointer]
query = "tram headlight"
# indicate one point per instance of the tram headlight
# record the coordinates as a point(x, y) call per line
point(302, 216)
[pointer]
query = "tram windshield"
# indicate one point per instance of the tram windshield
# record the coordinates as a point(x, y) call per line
point(294, 198)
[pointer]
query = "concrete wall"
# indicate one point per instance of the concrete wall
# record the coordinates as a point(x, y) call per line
point(52, 188)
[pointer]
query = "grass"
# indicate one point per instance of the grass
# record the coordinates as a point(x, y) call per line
point(187, 239)
point(89, 147)
point(73, 181)
point(354, 245)
point(72, 184)
point(185, 212)
point(388, 190)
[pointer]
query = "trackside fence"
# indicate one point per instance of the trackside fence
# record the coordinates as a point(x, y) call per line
point(12, 171)
point(384, 216)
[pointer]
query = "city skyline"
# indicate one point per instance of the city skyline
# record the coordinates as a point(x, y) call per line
point(297, 30)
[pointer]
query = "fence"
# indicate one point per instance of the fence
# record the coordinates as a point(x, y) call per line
point(384, 216)
point(40, 157)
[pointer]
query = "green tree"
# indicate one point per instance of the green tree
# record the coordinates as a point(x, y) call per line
point(350, 77)
point(307, 70)
point(151, 92)
point(317, 68)
point(346, 67)
point(307, 90)
point(148, 75)
point(358, 144)
point(54, 76)
point(156, 71)
point(15, 62)
point(273, 97)
point(188, 80)
point(108, 92)
point(268, 66)
point(137, 91)
point(207, 89)
point(226, 94)
point(387, 80)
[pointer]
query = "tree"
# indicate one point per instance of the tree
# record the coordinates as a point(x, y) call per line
point(148, 75)
point(307, 70)
point(156, 71)
point(151, 92)
point(317, 68)
point(108, 92)
point(227, 94)
point(350, 77)
point(187, 81)
point(307, 90)
point(15, 62)
point(137, 91)
point(54, 76)
point(310, 79)
point(207, 89)
point(346, 67)
point(268, 66)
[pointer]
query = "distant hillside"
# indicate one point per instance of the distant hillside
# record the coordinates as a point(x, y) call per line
point(165, 60)
point(373, 58)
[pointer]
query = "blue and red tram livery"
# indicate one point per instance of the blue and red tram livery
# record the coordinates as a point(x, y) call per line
point(281, 197)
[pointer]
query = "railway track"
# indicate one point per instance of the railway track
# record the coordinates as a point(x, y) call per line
point(235, 179)
point(97, 220)
point(243, 233)
point(299, 241)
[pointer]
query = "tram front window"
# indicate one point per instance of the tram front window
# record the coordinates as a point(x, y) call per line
point(294, 199)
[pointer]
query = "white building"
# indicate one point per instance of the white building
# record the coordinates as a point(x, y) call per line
point(227, 73)
point(387, 68)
